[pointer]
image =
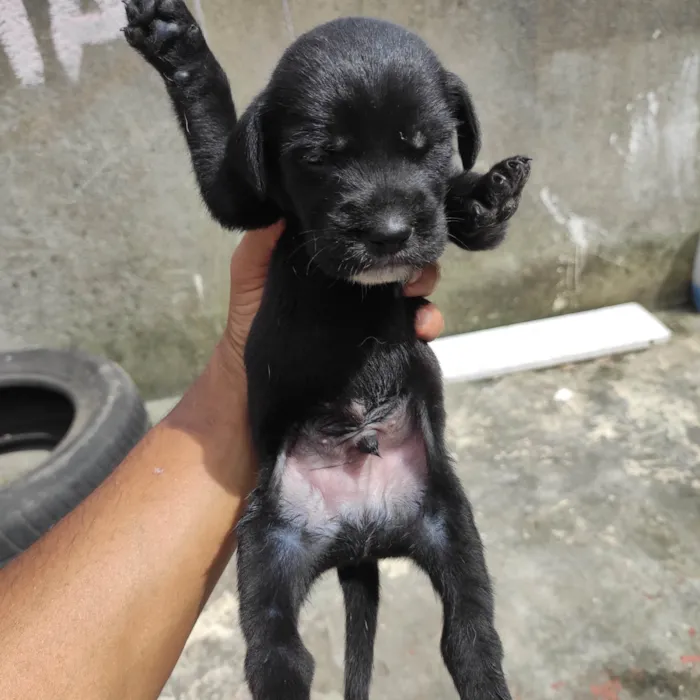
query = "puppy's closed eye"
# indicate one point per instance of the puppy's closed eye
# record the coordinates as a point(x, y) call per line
point(416, 140)
point(314, 157)
point(322, 154)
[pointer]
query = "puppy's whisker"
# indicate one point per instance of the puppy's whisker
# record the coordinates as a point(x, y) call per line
point(314, 256)
point(304, 241)
point(297, 248)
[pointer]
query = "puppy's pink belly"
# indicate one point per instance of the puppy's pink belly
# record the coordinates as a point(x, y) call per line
point(324, 485)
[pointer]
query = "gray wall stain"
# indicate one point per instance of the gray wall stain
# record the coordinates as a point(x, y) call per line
point(106, 245)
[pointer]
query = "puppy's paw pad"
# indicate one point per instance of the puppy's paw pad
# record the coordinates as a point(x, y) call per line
point(479, 214)
point(515, 170)
point(498, 182)
point(499, 190)
point(163, 31)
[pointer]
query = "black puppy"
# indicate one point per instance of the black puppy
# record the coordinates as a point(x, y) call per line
point(350, 142)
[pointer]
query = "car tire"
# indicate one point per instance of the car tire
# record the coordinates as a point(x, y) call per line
point(84, 410)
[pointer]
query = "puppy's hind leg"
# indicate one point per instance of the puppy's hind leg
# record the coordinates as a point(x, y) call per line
point(360, 584)
point(274, 576)
point(449, 550)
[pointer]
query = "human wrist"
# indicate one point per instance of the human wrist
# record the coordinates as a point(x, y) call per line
point(217, 399)
point(214, 413)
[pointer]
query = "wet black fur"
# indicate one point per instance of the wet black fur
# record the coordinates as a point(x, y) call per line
point(301, 151)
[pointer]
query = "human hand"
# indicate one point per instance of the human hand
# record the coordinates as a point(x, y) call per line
point(429, 320)
point(249, 265)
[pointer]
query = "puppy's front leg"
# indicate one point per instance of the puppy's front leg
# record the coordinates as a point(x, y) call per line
point(479, 206)
point(168, 37)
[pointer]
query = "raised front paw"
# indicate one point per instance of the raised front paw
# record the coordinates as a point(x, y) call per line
point(496, 195)
point(164, 32)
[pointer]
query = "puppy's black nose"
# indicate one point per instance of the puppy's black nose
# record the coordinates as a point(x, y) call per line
point(390, 233)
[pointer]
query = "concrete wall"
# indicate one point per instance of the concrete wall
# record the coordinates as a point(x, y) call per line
point(105, 245)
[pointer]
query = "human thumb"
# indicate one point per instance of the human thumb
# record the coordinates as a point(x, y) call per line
point(250, 260)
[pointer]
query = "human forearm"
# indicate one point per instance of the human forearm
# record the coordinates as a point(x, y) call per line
point(102, 605)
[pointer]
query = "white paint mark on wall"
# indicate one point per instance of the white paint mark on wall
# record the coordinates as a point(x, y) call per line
point(198, 286)
point(643, 142)
point(584, 233)
point(663, 136)
point(286, 10)
point(680, 134)
point(19, 43)
point(73, 29)
point(615, 143)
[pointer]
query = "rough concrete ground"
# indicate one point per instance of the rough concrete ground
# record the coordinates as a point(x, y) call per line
point(590, 511)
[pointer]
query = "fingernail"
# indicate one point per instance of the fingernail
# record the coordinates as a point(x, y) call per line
point(422, 316)
point(415, 276)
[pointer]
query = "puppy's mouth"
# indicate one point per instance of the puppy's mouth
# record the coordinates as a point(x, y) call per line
point(385, 274)
point(353, 257)
point(354, 261)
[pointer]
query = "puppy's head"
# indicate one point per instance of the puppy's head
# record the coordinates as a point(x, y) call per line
point(353, 136)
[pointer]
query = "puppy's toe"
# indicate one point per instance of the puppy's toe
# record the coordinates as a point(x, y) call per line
point(507, 210)
point(134, 36)
point(139, 12)
point(518, 169)
point(479, 214)
point(499, 182)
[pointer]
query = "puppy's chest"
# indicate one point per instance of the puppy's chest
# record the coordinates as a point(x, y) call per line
point(355, 465)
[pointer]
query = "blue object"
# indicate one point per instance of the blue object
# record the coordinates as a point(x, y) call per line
point(696, 279)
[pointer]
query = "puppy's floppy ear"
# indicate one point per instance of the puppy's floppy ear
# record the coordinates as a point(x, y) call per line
point(246, 151)
point(468, 132)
